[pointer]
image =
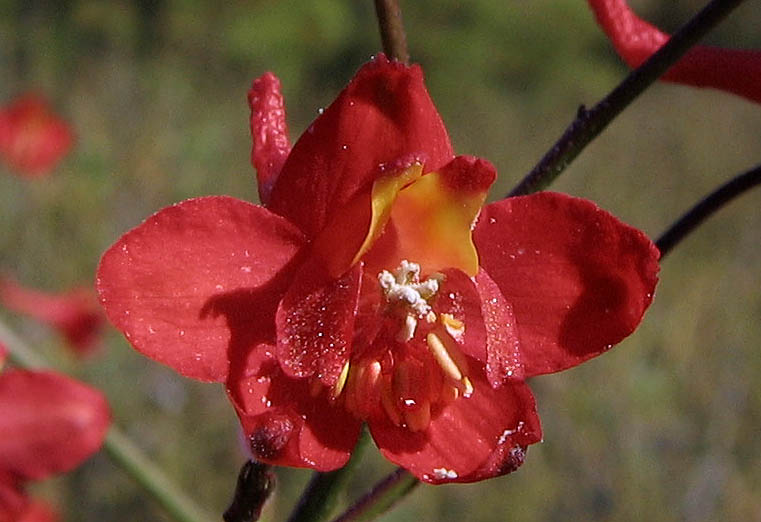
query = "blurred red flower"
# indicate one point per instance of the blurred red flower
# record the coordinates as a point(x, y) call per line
point(75, 314)
point(32, 138)
point(49, 424)
point(733, 70)
point(367, 289)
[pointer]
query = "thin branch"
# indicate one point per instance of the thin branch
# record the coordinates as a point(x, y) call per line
point(119, 447)
point(392, 29)
point(590, 123)
point(383, 497)
point(710, 204)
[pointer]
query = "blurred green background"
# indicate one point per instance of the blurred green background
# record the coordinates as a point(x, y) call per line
point(666, 426)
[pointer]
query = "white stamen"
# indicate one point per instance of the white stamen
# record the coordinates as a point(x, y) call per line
point(408, 329)
point(404, 286)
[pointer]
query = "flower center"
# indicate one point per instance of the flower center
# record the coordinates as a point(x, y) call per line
point(411, 374)
point(409, 296)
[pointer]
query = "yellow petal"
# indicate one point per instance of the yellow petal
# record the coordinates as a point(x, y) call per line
point(433, 217)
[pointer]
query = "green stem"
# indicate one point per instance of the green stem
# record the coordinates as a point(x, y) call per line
point(120, 448)
point(125, 454)
point(590, 123)
point(383, 497)
point(18, 352)
point(319, 499)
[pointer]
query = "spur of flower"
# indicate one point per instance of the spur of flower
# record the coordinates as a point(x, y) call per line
point(733, 70)
point(49, 424)
point(374, 287)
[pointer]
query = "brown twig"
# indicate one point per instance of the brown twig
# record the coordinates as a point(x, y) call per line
point(393, 37)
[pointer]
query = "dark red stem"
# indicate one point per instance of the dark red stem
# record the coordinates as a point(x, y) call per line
point(700, 212)
point(392, 30)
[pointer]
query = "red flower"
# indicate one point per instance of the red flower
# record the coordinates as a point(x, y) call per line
point(355, 294)
point(49, 424)
point(32, 138)
point(16, 506)
point(74, 313)
point(733, 70)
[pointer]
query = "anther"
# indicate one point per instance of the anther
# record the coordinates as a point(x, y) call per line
point(468, 391)
point(440, 353)
point(419, 417)
point(449, 393)
point(341, 382)
point(453, 326)
point(366, 388)
point(388, 402)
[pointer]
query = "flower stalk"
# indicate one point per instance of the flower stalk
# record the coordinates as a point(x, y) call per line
point(589, 123)
point(393, 37)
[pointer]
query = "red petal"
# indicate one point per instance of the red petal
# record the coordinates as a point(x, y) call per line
point(285, 423)
point(579, 280)
point(384, 113)
point(32, 139)
point(50, 423)
point(737, 71)
point(37, 511)
point(463, 442)
point(269, 132)
point(502, 340)
point(315, 323)
point(12, 499)
point(16, 506)
point(180, 283)
point(75, 314)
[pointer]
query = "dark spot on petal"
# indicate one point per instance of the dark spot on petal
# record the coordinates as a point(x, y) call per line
point(503, 460)
point(269, 439)
point(512, 460)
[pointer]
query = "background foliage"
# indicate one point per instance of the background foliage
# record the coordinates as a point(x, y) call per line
point(664, 427)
